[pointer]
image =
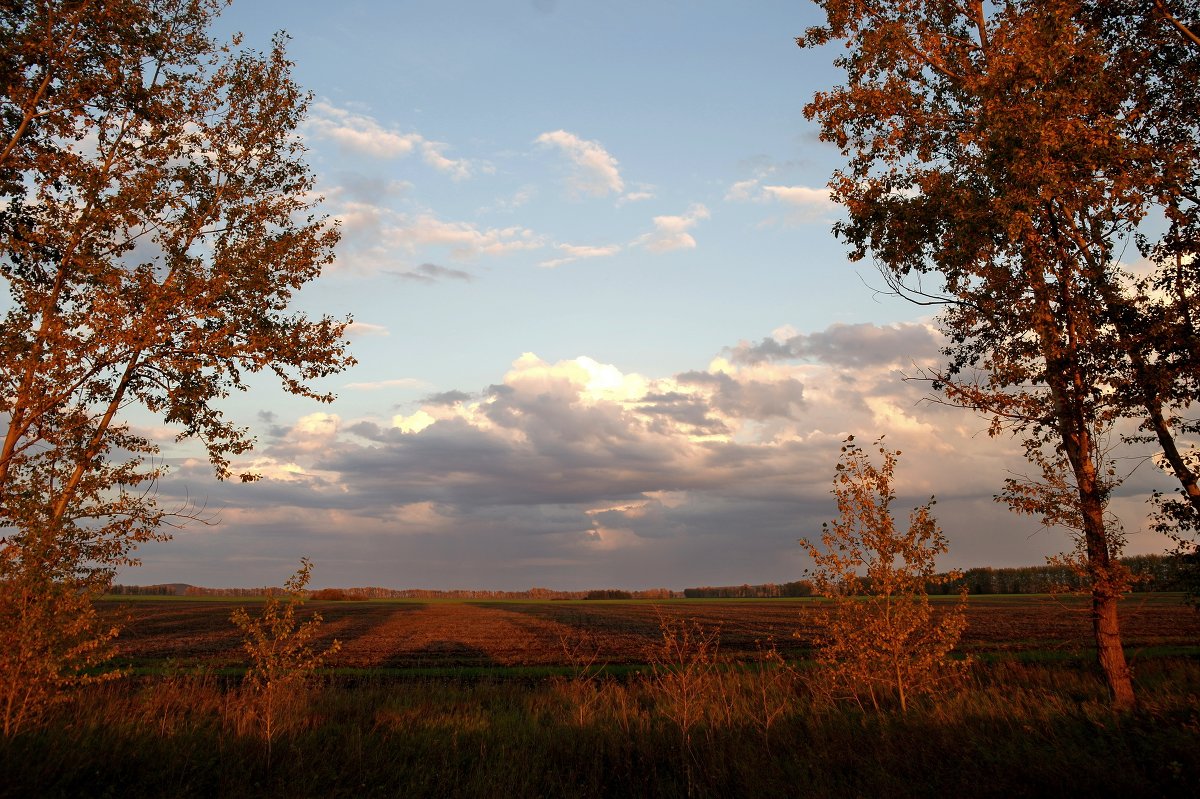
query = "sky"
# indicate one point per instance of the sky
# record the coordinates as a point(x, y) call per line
point(605, 337)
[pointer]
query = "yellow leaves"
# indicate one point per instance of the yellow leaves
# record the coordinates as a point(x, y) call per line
point(52, 637)
point(882, 637)
point(281, 654)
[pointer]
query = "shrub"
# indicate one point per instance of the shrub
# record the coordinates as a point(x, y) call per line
point(887, 642)
point(282, 658)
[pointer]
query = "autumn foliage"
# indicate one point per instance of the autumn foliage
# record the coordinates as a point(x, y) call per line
point(157, 217)
point(281, 654)
point(1008, 162)
point(882, 641)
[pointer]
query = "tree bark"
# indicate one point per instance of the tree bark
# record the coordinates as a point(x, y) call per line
point(1106, 627)
point(1073, 425)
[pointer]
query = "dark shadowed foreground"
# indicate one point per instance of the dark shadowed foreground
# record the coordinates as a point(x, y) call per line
point(688, 698)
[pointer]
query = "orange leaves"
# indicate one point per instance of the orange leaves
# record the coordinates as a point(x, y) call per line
point(156, 220)
point(281, 653)
point(882, 637)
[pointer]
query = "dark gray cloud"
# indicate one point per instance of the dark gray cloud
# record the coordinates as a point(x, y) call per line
point(273, 430)
point(678, 409)
point(862, 344)
point(452, 397)
point(575, 475)
point(750, 399)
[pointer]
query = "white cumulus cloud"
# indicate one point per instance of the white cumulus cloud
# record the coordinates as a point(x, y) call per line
point(363, 329)
point(596, 172)
point(463, 239)
point(363, 134)
point(801, 196)
point(671, 232)
point(802, 203)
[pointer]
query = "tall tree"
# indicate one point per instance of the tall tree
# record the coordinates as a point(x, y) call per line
point(1013, 151)
point(156, 219)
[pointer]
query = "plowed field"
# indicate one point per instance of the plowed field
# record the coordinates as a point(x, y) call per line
point(479, 634)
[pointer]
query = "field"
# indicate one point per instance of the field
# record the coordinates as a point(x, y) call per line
point(514, 699)
point(450, 634)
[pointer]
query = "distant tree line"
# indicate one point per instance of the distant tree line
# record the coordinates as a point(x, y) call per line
point(617, 593)
point(268, 591)
point(181, 589)
point(143, 590)
point(765, 591)
point(1148, 572)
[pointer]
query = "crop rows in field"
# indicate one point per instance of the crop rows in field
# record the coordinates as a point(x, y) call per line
point(479, 634)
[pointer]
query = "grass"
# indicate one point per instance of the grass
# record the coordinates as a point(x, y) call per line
point(1017, 729)
point(1025, 723)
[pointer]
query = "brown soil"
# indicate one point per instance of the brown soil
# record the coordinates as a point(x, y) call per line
point(445, 634)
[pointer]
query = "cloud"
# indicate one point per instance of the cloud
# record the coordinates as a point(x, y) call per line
point(363, 134)
point(801, 196)
point(743, 190)
point(802, 203)
point(432, 273)
point(637, 196)
point(367, 189)
point(750, 398)
point(855, 345)
point(517, 199)
point(413, 423)
point(578, 473)
point(671, 232)
point(376, 238)
point(573, 252)
point(596, 173)
point(366, 329)
point(452, 397)
point(434, 154)
point(462, 239)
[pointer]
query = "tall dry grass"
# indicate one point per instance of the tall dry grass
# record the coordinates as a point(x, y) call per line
point(1013, 729)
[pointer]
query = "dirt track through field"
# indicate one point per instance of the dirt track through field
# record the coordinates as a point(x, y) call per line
point(455, 634)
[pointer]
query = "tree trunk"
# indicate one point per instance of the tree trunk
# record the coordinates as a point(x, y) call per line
point(1109, 651)
point(1106, 590)
point(1074, 424)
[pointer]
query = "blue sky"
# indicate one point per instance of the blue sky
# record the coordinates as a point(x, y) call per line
point(605, 336)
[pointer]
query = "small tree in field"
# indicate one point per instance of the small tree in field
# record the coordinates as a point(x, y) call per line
point(881, 637)
point(282, 658)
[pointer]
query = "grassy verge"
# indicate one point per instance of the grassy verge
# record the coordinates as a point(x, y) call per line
point(1018, 728)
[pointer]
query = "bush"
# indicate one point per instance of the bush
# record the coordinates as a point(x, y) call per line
point(888, 641)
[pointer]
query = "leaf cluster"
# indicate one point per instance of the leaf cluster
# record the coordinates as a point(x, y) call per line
point(157, 218)
point(280, 649)
point(1017, 152)
point(882, 637)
